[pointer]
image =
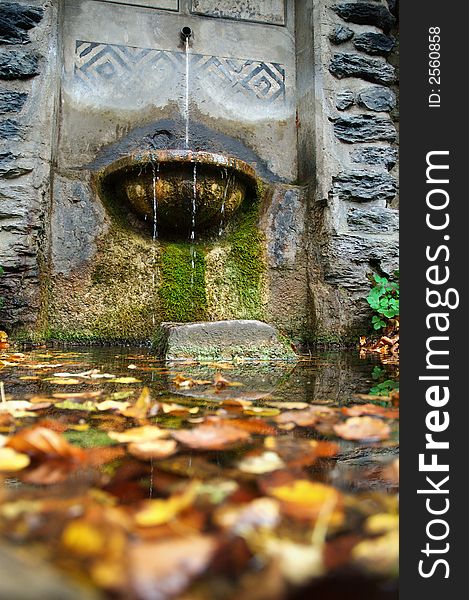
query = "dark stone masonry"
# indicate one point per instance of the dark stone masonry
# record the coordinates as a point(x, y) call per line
point(375, 155)
point(361, 185)
point(375, 70)
point(364, 128)
point(18, 64)
point(363, 13)
point(376, 44)
point(16, 20)
point(345, 99)
point(377, 98)
point(11, 101)
point(340, 34)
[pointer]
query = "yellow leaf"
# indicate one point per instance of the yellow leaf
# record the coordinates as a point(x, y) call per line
point(63, 380)
point(381, 523)
point(261, 411)
point(140, 408)
point(10, 460)
point(112, 405)
point(303, 491)
point(82, 538)
point(158, 512)
point(147, 433)
point(126, 380)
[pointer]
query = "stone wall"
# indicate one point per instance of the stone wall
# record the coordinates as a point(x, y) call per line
point(27, 92)
point(354, 217)
point(336, 187)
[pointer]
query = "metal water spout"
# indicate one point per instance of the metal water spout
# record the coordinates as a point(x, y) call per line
point(186, 33)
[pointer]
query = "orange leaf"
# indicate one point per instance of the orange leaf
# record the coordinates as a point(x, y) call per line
point(363, 428)
point(42, 442)
point(210, 437)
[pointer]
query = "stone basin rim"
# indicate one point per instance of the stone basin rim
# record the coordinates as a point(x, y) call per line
point(183, 157)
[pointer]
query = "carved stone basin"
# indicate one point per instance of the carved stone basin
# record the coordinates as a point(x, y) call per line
point(184, 191)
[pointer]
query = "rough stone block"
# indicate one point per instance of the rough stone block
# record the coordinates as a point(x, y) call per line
point(16, 20)
point(10, 169)
point(345, 99)
point(360, 185)
point(349, 259)
point(376, 44)
point(374, 220)
point(17, 64)
point(374, 70)
point(9, 129)
point(364, 128)
point(363, 13)
point(222, 340)
point(286, 224)
point(11, 101)
point(375, 155)
point(377, 98)
point(249, 10)
point(340, 34)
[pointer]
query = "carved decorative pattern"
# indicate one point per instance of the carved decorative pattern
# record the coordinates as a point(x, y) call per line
point(97, 63)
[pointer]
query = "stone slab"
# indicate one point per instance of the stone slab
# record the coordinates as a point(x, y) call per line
point(222, 340)
point(268, 11)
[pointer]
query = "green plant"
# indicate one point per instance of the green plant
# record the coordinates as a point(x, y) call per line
point(383, 385)
point(384, 300)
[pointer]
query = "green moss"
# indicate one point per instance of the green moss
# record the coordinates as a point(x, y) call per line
point(214, 353)
point(92, 438)
point(236, 280)
point(246, 258)
point(182, 289)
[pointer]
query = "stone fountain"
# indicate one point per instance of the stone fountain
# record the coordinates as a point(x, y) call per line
point(182, 189)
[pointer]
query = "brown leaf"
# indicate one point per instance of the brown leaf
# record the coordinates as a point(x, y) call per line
point(307, 417)
point(152, 449)
point(211, 437)
point(252, 425)
point(43, 442)
point(370, 409)
point(164, 569)
point(363, 428)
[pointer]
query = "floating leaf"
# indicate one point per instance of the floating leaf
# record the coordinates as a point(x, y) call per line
point(261, 512)
point(379, 556)
point(305, 499)
point(370, 409)
point(69, 405)
point(307, 417)
point(153, 449)
point(39, 441)
point(261, 411)
point(178, 408)
point(147, 433)
point(140, 409)
point(210, 437)
point(112, 405)
point(363, 428)
point(163, 569)
point(157, 512)
point(261, 463)
point(63, 380)
point(83, 538)
point(10, 460)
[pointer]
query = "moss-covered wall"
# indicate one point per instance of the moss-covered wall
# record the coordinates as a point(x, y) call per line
point(133, 283)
